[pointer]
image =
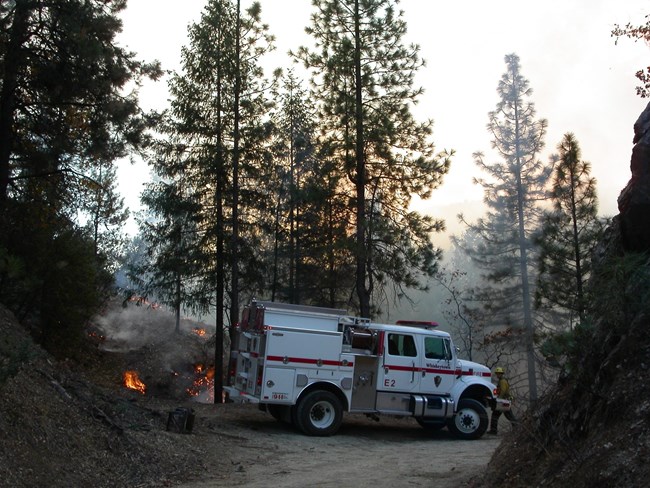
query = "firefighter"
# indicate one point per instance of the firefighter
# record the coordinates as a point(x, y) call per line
point(503, 392)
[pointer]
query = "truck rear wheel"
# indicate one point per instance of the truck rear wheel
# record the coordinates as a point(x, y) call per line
point(319, 413)
point(470, 421)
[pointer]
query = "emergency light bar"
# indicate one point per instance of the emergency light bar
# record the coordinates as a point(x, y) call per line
point(418, 323)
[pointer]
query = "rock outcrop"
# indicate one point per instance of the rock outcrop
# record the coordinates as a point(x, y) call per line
point(634, 200)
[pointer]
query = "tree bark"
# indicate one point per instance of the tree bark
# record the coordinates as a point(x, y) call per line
point(12, 65)
point(362, 291)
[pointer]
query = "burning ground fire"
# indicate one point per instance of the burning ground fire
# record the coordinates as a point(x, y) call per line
point(203, 385)
point(171, 364)
point(133, 382)
point(201, 389)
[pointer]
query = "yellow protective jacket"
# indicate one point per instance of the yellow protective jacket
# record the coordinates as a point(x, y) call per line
point(503, 389)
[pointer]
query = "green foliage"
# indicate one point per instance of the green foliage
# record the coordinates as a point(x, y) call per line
point(206, 185)
point(620, 289)
point(619, 292)
point(569, 235)
point(566, 350)
point(105, 213)
point(363, 77)
point(65, 118)
point(63, 106)
point(56, 282)
point(501, 242)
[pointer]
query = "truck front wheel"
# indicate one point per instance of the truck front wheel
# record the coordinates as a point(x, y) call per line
point(319, 413)
point(470, 421)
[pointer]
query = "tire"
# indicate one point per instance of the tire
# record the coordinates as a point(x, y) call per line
point(319, 413)
point(431, 425)
point(470, 420)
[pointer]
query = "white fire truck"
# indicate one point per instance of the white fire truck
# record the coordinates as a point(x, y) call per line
point(307, 365)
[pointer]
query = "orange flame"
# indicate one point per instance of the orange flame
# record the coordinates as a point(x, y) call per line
point(199, 332)
point(132, 381)
point(201, 383)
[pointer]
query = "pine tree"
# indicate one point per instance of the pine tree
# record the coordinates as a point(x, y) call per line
point(294, 151)
point(513, 191)
point(106, 213)
point(65, 113)
point(363, 76)
point(170, 272)
point(569, 234)
point(213, 160)
point(62, 102)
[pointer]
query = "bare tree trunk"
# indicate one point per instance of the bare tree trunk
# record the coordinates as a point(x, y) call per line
point(220, 271)
point(576, 249)
point(361, 251)
point(11, 68)
point(234, 301)
point(177, 303)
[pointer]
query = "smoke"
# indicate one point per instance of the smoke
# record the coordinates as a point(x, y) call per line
point(134, 326)
point(170, 364)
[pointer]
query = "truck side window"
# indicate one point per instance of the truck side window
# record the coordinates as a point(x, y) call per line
point(393, 346)
point(401, 345)
point(435, 348)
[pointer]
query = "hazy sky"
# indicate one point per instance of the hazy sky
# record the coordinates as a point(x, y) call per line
point(582, 82)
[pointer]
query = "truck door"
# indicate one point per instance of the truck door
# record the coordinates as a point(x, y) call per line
point(401, 366)
point(437, 365)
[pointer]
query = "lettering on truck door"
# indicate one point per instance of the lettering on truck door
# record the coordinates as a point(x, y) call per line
point(401, 365)
point(437, 365)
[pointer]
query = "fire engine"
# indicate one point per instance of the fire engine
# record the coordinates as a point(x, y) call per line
point(308, 365)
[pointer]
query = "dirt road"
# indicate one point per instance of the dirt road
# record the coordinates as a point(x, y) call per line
point(249, 448)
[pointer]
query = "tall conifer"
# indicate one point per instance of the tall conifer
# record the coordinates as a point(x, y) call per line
point(513, 187)
point(213, 159)
point(363, 76)
point(569, 235)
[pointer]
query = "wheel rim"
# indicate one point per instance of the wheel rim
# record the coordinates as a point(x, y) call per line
point(322, 414)
point(467, 420)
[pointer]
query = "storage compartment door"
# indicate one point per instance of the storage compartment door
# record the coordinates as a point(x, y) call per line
point(364, 384)
point(277, 385)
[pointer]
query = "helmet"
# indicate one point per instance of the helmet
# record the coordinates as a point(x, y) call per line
point(498, 370)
